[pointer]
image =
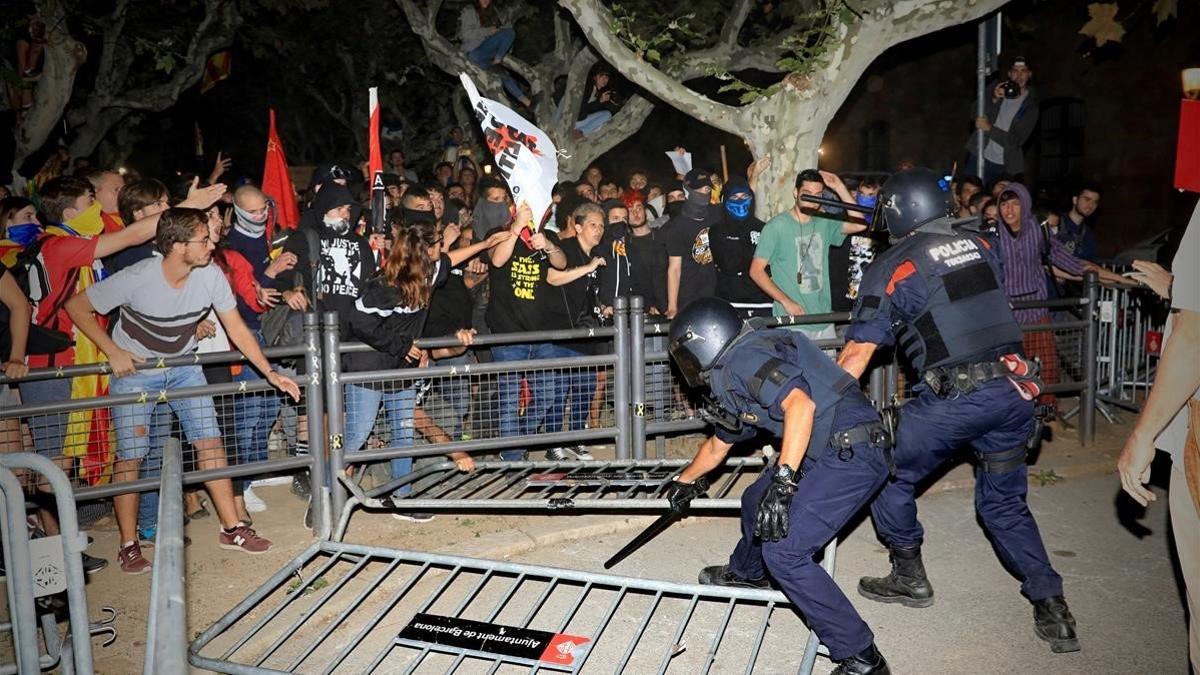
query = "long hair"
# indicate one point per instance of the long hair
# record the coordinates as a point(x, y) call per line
point(488, 17)
point(408, 267)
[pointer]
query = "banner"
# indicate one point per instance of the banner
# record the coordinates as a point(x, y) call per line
point(525, 156)
point(375, 166)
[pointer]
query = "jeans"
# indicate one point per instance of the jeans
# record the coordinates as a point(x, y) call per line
point(253, 416)
point(160, 436)
point(133, 420)
point(494, 48)
point(573, 387)
point(48, 430)
point(455, 395)
point(542, 384)
point(593, 122)
point(362, 405)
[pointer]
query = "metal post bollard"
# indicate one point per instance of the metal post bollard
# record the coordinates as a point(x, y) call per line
point(621, 376)
point(1087, 398)
point(334, 412)
point(637, 371)
point(318, 446)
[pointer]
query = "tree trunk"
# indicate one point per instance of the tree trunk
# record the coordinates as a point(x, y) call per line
point(789, 131)
point(53, 90)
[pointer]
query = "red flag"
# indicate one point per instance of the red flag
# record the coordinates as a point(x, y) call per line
point(1187, 155)
point(277, 181)
point(375, 166)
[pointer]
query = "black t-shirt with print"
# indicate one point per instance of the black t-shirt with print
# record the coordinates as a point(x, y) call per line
point(688, 239)
point(451, 307)
point(519, 291)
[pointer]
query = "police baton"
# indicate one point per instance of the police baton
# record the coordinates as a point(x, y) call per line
point(656, 528)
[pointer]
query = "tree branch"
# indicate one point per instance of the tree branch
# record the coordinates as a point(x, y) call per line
point(734, 22)
point(595, 21)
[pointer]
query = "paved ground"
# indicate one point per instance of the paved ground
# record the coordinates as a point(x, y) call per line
point(1120, 587)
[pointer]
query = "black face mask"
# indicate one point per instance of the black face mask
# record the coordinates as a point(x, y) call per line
point(673, 208)
point(619, 224)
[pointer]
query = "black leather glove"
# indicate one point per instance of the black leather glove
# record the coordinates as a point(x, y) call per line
point(771, 520)
point(681, 494)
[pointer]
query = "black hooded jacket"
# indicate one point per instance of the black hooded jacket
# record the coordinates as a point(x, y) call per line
point(733, 242)
point(345, 263)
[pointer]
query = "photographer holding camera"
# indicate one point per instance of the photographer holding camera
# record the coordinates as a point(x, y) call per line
point(1012, 114)
point(601, 103)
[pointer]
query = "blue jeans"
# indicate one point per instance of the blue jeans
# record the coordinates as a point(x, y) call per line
point(49, 430)
point(455, 393)
point(160, 433)
point(362, 406)
point(593, 122)
point(541, 382)
point(133, 421)
point(253, 416)
point(494, 48)
point(574, 387)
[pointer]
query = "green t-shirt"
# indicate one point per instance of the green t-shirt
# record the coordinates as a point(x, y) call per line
point(798, 254)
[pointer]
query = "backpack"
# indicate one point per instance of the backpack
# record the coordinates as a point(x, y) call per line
point(282, 325)
point(42, 341)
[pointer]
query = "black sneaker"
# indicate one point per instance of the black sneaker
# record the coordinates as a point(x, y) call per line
point(720, 575)
point(93, 564)
point(301, 485)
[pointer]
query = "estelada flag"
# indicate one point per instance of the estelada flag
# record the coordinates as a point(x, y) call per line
point(277, 181)
point(525, 155)
point(216, 69)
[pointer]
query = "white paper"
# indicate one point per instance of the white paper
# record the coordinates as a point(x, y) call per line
point(682, 163)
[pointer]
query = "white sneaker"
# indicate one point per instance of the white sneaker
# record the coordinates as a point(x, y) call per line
point(253, 503)
point(582, 454)
point(269, 482)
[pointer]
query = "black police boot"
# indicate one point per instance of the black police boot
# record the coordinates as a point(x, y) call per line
point(720, 575)
point(906, 584)
point(867, 662)
point(1052, 621)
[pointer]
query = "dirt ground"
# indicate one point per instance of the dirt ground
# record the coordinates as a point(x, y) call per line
point(217, 579)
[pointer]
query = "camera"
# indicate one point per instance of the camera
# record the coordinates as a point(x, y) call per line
point(1011, 89)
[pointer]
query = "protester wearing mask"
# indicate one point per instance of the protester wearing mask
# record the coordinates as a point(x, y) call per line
point(848, 261)
point(690, 273)
point(19, 218)
point(733, 242)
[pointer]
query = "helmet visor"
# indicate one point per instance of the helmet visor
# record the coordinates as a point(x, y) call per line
point(688, 364)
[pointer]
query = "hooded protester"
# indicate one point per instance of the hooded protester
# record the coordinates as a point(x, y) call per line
point(733, 241)
point(690, 272)
point(336, 279)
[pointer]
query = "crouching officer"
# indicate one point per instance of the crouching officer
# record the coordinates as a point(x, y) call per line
point(831, 462)
point(938, 292)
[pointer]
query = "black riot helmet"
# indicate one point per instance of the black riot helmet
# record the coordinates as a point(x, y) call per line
point(912, 198)
point(699, 335)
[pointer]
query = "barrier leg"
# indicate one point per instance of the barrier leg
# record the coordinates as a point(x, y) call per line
point(334, 413)
point(318, 446)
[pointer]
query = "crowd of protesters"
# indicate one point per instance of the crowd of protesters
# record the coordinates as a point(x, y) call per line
point(146, 270)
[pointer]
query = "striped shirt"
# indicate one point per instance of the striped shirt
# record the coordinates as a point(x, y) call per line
point(1024, 275)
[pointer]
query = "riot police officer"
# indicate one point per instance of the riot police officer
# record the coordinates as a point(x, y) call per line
point(938, 292)
point(830, 463)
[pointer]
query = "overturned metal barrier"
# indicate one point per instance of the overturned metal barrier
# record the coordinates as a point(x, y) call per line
point(360, 609)
point(52, 565)
point(552, 485)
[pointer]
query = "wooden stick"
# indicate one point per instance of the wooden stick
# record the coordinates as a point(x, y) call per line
point(724, 163)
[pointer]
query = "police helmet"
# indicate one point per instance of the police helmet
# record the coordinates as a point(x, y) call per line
point(912, 198)
point(699, 335)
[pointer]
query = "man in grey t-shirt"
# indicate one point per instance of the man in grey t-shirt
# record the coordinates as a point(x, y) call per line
point(161, 300)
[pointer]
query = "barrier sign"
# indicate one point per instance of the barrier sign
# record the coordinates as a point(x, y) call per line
point(519, 644)
point(1154, 342)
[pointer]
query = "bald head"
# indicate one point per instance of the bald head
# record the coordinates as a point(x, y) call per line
point(249, 198)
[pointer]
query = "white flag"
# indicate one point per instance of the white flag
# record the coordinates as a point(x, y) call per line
point(525, 156)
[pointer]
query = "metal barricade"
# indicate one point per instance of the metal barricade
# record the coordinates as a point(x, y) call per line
point(351, 608)
point(420, 402)
point(166, 625)
point(59, 568)
point(1131, 325)
point(81, 432)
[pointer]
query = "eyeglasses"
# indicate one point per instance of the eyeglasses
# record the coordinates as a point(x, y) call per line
point(206, 241)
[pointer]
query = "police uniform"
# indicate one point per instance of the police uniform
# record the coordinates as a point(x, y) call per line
point(843, 466)
point(940, 297)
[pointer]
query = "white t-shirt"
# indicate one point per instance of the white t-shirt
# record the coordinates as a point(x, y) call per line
point(1185, 295)
point(157, 320)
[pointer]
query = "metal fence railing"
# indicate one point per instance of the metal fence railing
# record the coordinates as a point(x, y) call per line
point(350, 608)
point(1131, 326)
point(59, 569)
